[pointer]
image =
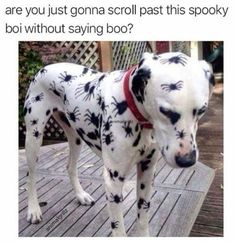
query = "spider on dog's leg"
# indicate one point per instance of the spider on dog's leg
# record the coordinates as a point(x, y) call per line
point(92, 118)
point(114, 225)
point(36, 133)
point(73, 115)
point(116, 198)
point(107, 138)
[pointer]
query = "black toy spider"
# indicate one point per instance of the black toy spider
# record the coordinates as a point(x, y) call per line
point(101, 103)
point(179, 59)
point(113, 175)
point(66, 77)
point(107, 138)
point(87, 89)
point(92, 118)
point(34, 121)
point(36, 133)
point(37, 98)
point(142, 150)
point(172, 86)
point(143, 204)
point(54, 89)
point(128, 129)
point(107, 124)
point(73, 115)
point(114, 225)
point(120, 107)
point(180, 134)
point(116, 198)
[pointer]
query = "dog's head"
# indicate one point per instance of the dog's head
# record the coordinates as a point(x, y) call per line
point(174, 90)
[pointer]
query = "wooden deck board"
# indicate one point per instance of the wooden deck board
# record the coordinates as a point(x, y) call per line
point(177, 198)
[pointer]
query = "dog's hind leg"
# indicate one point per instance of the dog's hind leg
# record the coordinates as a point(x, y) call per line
point(75, 146)
point(36, 117)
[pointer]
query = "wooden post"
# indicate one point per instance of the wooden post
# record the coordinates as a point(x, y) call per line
point(153, 46)
point(105, 54)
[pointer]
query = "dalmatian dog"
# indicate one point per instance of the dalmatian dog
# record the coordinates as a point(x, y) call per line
point(125, 117)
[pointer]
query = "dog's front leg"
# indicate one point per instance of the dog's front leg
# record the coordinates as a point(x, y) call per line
point(145, 175)
point(113, 186)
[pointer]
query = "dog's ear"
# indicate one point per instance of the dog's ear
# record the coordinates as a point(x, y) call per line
point(208, 70)
point(139, 82)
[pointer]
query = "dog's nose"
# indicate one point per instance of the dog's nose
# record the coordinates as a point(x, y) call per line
point(186, 160)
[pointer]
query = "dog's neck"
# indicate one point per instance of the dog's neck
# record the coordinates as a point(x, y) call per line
point(135, 106)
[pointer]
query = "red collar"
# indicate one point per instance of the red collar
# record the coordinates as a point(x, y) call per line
point(131, 104)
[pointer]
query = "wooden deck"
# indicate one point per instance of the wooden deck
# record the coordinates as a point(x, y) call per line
point(176, 201)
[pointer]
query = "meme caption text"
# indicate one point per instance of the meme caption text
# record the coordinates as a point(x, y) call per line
point(77, 12)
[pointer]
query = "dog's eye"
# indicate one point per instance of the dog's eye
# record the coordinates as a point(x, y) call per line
point(165, 111)
point(173, 116)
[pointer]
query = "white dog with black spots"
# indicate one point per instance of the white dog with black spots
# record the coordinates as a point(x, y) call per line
point(125, 117)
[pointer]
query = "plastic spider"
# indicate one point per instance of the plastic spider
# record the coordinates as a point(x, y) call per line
point(101, 103)
point(53, 89)
point(34, 121)
point(143, 204)
point(37, 98)
point(120, 107)
point(116, 198)
point(66, 78)
point(92, 118)
point(172, 86)
point(178, 59)
point(107, 138)
point(36, 133)
point(87, 89)
point(107, 124)
point(180, 134)
point(114, 225)
point(128, 129)
point(74, 115)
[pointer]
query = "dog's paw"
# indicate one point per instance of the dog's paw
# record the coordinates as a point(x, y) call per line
point(34, 216)
point(85, 199)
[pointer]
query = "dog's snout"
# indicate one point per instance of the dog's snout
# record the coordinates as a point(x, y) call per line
point(186, 160)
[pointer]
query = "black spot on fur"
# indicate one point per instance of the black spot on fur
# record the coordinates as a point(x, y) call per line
point(48, 112)
point(194, 112)
point(151, 154)
point(77, 141)
point(139, 83)
point(64, 119)
point(142, 186)
point(55, 109)
point(173, 116)
point(136, 142)
point(145, 165)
